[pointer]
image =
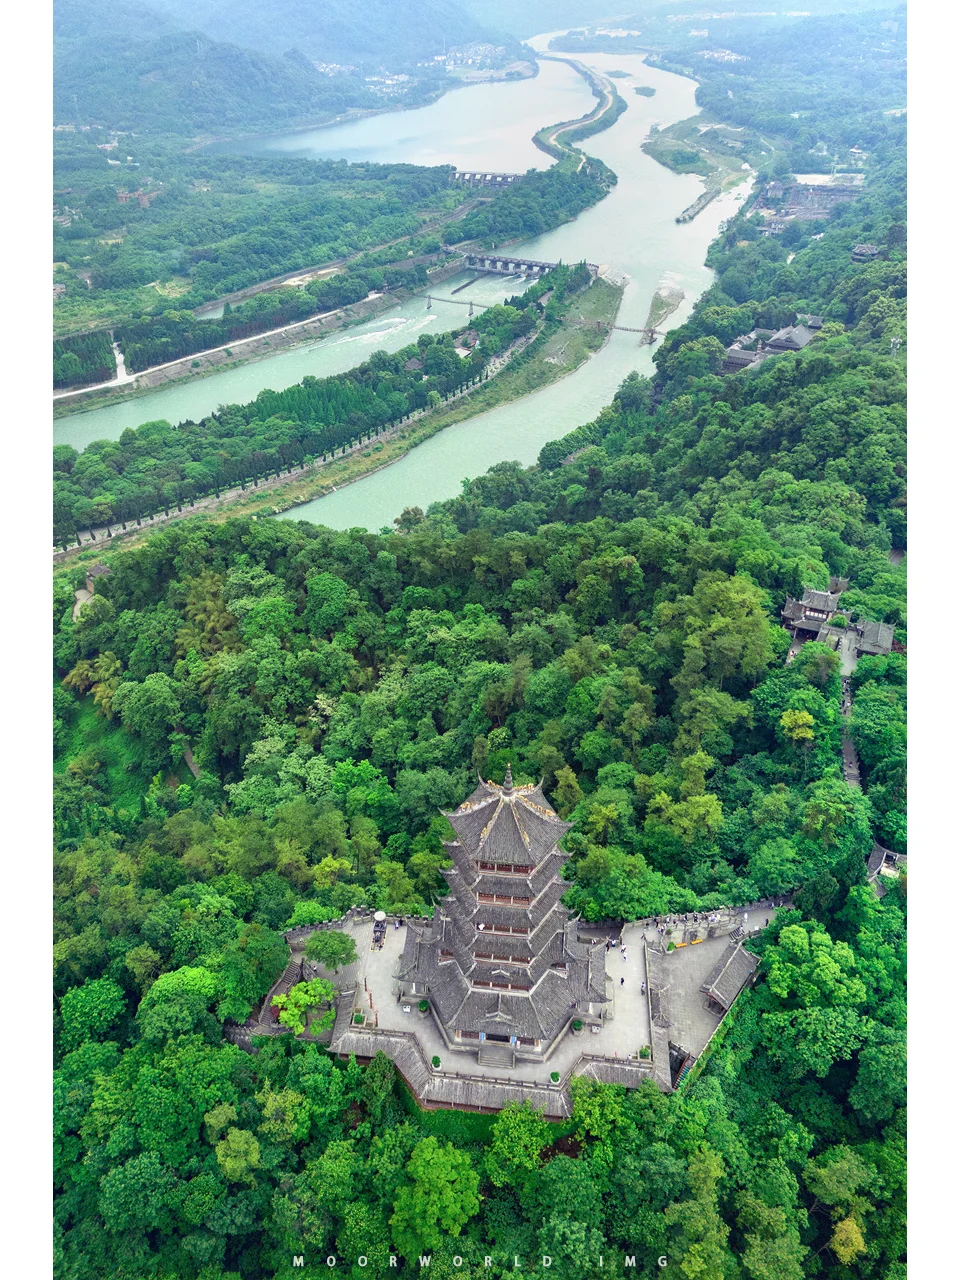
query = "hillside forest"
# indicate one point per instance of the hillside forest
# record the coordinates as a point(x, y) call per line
point(257, 724)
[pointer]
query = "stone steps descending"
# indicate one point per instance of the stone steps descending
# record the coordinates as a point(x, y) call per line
point(492, 1054)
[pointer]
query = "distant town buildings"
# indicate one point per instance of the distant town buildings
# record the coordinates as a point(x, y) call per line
point(143, 198)
point(722, 55)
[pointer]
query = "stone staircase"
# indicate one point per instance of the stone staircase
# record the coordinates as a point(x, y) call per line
point(492, 1054)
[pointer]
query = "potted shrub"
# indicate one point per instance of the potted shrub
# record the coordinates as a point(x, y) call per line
point(423, 1008)
point(577, 1027)
point(643, 1051)
point(555, 1077)
point(435, 1060)
point(359, 1019)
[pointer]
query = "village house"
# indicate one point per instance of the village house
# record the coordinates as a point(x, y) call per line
point(883, 867)
point(97, 571)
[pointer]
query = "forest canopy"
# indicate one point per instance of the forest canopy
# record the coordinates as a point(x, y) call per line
point(257, 724)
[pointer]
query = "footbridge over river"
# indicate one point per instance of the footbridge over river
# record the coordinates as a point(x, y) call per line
point(506, 265)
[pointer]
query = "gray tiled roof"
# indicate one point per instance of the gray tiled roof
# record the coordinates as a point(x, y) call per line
point(827, 600)
point(877, 637)
point(793, 609)
point(730, 974)
point(876, 859)
point(510, 824)
point(793, 337)
point(504, 824)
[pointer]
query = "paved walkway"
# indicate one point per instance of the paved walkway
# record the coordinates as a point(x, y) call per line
point(851, 764)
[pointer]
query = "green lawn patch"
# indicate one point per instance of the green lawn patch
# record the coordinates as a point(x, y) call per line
point(125, 781)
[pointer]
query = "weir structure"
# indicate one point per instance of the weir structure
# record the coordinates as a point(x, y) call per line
point(509, 265)
point(470, 178)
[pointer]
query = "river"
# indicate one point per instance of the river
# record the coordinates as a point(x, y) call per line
point(632, 233)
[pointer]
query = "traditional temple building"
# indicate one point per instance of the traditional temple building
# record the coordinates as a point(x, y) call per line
point(500, 963)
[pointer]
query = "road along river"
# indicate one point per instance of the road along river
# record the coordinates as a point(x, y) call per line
point(632, 232)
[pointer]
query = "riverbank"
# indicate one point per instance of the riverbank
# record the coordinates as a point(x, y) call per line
point(216, 359)
point(551, 354)
point(258, 346)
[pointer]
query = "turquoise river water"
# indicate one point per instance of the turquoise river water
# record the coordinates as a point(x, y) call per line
point(632, 234)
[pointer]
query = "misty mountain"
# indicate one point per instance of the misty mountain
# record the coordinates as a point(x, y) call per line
point(395, 32)
point(126, 67)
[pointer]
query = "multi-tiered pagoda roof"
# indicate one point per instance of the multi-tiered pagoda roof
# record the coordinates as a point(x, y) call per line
point(501, 956)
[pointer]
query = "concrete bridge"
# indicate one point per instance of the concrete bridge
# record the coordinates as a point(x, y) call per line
point(476, 178)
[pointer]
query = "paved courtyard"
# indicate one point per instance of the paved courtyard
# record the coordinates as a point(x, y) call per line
point(626, 1025)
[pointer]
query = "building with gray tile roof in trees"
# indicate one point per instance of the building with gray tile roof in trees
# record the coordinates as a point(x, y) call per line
point(732, 972)
point(874, 638)
point(812, 611)
point(501, 962)
point(792, 338)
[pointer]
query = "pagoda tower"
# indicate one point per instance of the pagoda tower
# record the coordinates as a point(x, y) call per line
point(500, 961)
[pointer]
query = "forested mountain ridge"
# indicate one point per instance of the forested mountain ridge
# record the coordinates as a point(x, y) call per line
point(394, 32)
point(181, 82)
point(229, 65)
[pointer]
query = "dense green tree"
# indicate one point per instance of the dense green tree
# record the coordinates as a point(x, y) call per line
point(440, 1198)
